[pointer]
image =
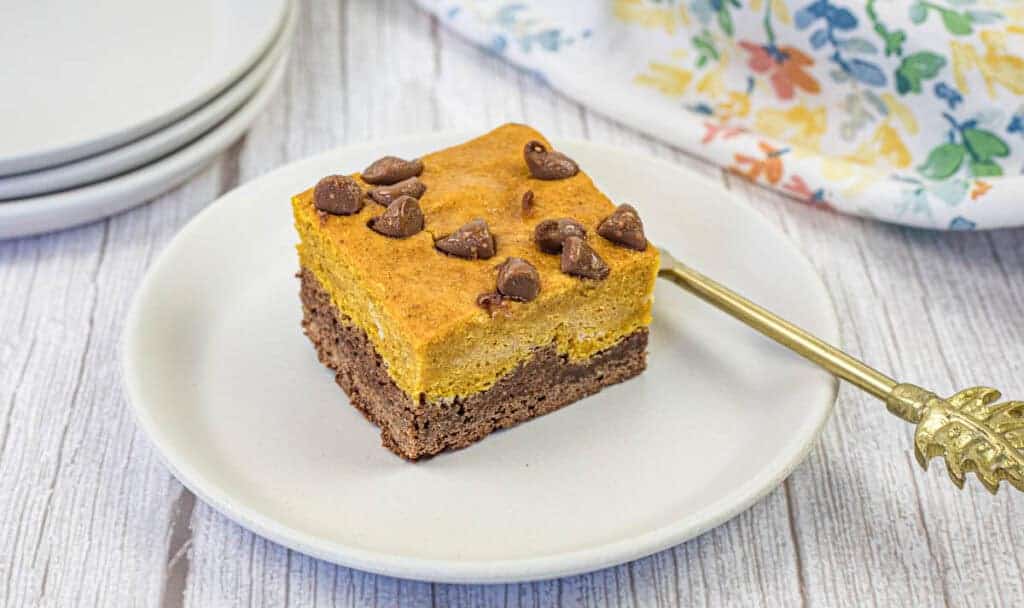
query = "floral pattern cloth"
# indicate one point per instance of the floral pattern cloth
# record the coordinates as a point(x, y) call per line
point(908, 111)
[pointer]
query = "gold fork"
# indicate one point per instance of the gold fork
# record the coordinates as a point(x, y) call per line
point(972, 434)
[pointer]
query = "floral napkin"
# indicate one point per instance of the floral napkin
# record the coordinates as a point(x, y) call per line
point(905, 111)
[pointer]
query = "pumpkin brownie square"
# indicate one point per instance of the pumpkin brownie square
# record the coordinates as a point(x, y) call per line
point(472, 289)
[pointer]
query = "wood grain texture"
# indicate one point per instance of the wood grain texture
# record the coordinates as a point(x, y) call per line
point(91, 517)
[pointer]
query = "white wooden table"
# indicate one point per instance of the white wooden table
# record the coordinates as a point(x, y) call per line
point(89, 515)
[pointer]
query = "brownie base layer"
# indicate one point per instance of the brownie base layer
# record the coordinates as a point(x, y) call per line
point(542, 384)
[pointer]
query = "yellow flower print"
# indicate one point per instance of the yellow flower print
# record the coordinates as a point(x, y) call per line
point(901, 112)
point(668, 79)
point(779, 9)
point(712, 83)
point(731, 104)
point(857, 170)
point(799, 124)
point(836, 169)
point(997, 66)
point(890, 146)
point(853, 176)
point(1014, 15)
point(885, 144)
point(737, 105)
point(652, 15)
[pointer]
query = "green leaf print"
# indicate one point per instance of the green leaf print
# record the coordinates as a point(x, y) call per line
point(925, 63)
point(957, 23)
point(985, 168)
point(960, 24)
point(918, 13)
point(705, 45)
point(725, 20)
point(914, 69)
point(943, 161)
point(894, 39)
point(983, 145)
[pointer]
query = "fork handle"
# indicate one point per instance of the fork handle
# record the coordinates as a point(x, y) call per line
point(782, 331)
point(968, 429)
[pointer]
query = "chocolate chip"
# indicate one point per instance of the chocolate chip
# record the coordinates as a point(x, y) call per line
point(579, 259)
point(472, 241)
point(623, 227)
point(548, 165)
point(518, 280)
point(401, 219)
point(338, 194)
point(527, 205)
point(385, 195)
point(391, 170)
point(493, 303)
point(550, 234)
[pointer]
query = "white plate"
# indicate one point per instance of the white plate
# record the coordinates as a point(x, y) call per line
point(152, 146)
point(82, 77)
point(23, 217)
point(230, 392)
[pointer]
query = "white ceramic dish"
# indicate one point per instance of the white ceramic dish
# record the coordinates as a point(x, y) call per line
point(23, 217)
point(83, 77)
point(150, 147)
point(230, 392)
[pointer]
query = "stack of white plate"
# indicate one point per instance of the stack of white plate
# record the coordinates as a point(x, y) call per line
point(106, 105)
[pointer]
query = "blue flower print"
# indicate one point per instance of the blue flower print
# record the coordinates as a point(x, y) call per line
point(951, 95)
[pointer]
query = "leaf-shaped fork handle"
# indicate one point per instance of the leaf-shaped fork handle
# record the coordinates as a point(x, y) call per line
point(972, 434)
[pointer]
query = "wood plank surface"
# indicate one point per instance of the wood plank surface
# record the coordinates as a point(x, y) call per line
point(91, 517)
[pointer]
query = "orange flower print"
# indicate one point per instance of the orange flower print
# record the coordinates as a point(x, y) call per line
point(712, 131)
point(979, 190)
point(753, 168)
point(799, 188)
point(785, 65)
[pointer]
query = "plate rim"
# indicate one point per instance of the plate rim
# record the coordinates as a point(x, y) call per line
point(118, 193)
point(450, 570)
point(43, 158)
point(124, 158)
